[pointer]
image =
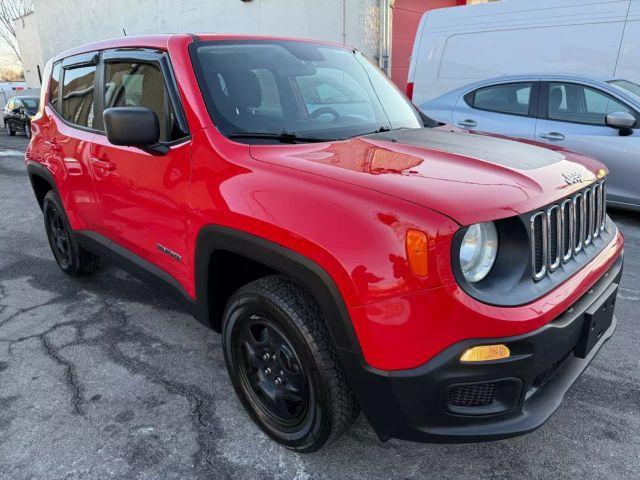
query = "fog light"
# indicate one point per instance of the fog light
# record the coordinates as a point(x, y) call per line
point(485, 353)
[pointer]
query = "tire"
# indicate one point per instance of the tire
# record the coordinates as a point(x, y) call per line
point(275, 316)
point(7, 128)
point(27, 129)
point(71, 257)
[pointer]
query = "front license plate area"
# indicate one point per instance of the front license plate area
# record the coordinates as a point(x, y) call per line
point(597, 319)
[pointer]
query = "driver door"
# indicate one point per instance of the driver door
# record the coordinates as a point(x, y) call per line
point(573, 117)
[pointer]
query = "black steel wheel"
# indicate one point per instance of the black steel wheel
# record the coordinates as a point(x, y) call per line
point(58, 236)
point(283, 364)
point(71, 257)
point(271, 371)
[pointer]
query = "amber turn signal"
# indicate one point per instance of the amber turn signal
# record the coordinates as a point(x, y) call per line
point(485, 353)
point(417, 252)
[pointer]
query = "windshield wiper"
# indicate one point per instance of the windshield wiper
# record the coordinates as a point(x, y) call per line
point(284, 136)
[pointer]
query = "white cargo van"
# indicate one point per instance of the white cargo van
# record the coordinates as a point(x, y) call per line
point(460, 45)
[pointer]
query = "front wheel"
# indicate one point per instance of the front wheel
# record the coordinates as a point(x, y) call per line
point(7, 127)
point(284, 366)
point(27, 130)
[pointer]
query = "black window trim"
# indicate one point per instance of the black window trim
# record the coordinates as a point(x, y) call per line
point(470, 98)
point(98, 58)
point(543, 103)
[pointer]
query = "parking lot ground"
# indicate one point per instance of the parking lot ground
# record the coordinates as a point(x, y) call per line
point(101, 377)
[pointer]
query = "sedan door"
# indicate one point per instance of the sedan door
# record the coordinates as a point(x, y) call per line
point(573, 116)
point(505, 109)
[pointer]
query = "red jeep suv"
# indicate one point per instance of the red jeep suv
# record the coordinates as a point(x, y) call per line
point(354, 254)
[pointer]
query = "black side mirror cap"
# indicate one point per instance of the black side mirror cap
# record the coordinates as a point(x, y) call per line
point(133, 127)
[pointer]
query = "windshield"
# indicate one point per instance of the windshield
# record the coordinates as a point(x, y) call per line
point(297, 89)
point(30, 102)
point(627, 85)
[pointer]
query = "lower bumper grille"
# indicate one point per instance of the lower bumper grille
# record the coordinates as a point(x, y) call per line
point(478, 395)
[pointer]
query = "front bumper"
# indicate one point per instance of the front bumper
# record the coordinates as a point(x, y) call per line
point(525, 389)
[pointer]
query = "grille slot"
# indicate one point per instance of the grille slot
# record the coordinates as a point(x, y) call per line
point(565, 229)
point(539, 250)
point(475, 395)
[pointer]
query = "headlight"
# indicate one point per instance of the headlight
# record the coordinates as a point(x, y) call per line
point(478, 251)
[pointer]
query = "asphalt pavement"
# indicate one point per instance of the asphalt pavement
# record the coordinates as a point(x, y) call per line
point(102, 377)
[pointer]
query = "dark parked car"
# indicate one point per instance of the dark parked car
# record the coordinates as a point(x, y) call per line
point(18, 113)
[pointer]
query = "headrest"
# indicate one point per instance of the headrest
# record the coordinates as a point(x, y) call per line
point(244, 88)
point(555, 98)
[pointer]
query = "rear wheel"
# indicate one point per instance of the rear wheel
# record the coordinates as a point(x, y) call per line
point(283, 365)
point(71, 257)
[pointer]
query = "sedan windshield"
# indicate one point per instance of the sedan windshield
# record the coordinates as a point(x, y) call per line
point(273, 91)
point(631, 87)
point(31, 102)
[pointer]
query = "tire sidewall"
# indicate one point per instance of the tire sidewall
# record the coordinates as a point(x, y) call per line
point(315, 428)
point(51, 201)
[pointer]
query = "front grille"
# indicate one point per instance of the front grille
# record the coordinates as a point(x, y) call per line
point(565, 229)
point(475, 395)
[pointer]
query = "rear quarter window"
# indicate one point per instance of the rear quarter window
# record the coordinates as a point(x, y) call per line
point(54, 86)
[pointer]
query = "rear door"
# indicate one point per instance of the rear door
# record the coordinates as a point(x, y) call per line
point(70, 132)
point(142, 195)
point(573, 116)
point(506, 109)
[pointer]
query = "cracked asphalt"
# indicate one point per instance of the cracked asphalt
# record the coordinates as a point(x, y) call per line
point(101, 377)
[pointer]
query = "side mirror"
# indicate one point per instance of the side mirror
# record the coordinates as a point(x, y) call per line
point(17, 110)
point(622, 121)
point(133, 127)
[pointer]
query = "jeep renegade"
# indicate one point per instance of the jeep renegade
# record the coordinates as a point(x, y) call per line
point(354, 255)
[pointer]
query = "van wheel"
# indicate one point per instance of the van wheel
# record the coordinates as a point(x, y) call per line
point(284, 366)
point(71, 257)
point(7, 128)
point(27, 130)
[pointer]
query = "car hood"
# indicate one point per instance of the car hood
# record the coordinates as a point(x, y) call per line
point(468, 177)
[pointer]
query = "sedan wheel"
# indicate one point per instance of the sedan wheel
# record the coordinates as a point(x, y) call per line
point(27, 130)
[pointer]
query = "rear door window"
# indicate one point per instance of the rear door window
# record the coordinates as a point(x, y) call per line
point(77, 95)
point(510, 98)
point(137, 84)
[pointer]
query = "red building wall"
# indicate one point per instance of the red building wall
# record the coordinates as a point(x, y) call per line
point(406, 17)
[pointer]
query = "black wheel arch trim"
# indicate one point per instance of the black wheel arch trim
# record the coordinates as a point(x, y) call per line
point(35, 169)
point(306, 272)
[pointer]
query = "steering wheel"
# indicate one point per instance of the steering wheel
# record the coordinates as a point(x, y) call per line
point(322, 111)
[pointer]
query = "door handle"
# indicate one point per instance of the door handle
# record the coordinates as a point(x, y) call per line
point(53, 146)
point(103, 164)
point(468, 123)
point(552, 136)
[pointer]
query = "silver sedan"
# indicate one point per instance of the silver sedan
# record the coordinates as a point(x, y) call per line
point(595, 117)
